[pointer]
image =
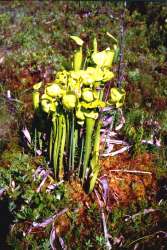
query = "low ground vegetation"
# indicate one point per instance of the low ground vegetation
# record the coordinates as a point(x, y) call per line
point(34, 46)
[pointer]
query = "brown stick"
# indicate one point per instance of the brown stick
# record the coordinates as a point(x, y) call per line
point(121, 56)
point(144, 212)
point(130, 171)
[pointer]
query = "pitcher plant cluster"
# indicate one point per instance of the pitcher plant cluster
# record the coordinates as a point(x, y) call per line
point(70, 108)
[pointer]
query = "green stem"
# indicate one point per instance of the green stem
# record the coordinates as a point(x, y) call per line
point(71, 151)
point(67, 146)
point(60, 132)
point(57, 145)
point(81, 156)
point(95, 167)
point(67, 132)
point(54, 126)
point(51, 145)
point(35, 141)
point(63, 140)
point(75, 142)
point(90, 123)
point(97, 138)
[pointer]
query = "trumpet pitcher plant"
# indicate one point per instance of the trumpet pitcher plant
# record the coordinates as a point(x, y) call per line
point(70, 107)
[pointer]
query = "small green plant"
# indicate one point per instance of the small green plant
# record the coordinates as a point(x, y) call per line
point(134, 75)
point(134, 129)
point(100, 241)
point(88, 244)
point(5, 19)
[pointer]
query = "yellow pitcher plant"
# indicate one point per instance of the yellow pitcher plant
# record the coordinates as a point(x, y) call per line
point(71, 105)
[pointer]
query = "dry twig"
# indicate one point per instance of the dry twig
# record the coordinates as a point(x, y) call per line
point(130, 171)
point(144, 212)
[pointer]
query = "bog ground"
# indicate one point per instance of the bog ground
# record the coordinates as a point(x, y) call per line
point(115, 197)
